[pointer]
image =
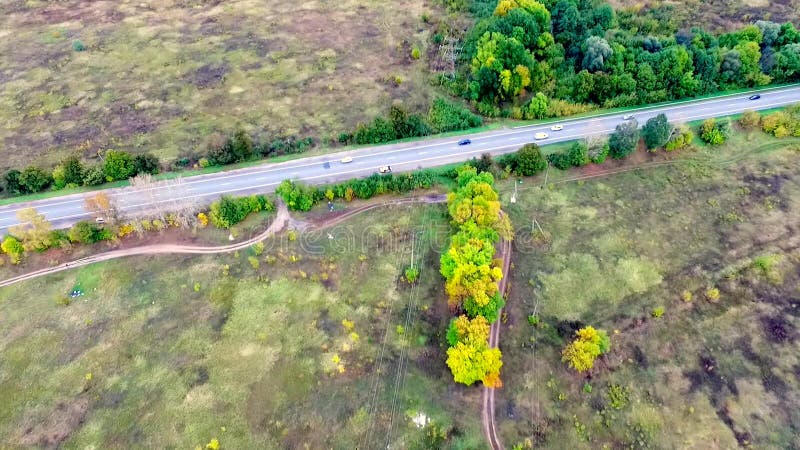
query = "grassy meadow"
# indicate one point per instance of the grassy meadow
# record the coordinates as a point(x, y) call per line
point(162, 76)
point(639, 255)
point(313, 343)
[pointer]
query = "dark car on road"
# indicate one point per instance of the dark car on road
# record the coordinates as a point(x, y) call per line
point(464, 142)
point(754, 97)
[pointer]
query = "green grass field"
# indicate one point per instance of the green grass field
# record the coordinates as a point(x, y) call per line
point(161, 76)
point(322, 345)
point(610, 252)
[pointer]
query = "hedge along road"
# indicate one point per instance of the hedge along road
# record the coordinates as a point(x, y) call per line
point(65, 211)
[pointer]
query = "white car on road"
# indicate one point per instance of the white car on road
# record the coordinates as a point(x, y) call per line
point(540, 136)
point(347, 159)
point(557, 128)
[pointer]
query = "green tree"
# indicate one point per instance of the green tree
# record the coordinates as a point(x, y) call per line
point(241, 145)
point(94, 176)
point(146, 163)
point(490, 310)
point(624, 139)
point(537, 108)
point(530, 160)
point(13, 248)
point(11, 182)
point(597, 53)
point(118, 165)
point(656, 132)
point(73, 171)
point(578, 154)
point(297, 196)
point(509, 64)
point(34, 179)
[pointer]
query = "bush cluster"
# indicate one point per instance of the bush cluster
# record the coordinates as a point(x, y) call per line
point(783, 123)
point(301, 197)
point(228, 211)
point(714, 131)
point(399, 124)
point(116, 165)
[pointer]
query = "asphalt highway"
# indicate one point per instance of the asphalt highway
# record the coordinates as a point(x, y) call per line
point(65, 210)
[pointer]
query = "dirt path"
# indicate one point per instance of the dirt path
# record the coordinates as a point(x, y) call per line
point(282, 219)
point(487, 413)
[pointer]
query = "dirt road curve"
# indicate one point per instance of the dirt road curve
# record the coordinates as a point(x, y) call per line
point(487, 414)
point(277, 225)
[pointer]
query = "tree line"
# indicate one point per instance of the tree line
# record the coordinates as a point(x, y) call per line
point(529, 59)
point(471, 275)
point(442, 116)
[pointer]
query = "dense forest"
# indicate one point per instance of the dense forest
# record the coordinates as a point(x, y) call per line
point(527, 59)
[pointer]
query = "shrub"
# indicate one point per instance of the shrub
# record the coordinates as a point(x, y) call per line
point(582, 352)
point(11, 181)
point(411, 274)
point(560, 161)
point(578, 154)
point(617, 396)
point(228, 211)
point(297, 196)
point(118, 165)
point(714, 132)
point(561, 108)
point(59, 181)
point(258, 248)
point(94, 176)
point(13, 248)
point(445, 116)
point(657, 312)
point(750, 120)
point(253, 262)
point(597, 151)
point(34, 179)
point(529, 160)
point(145, 163)
point(537, 108)
point(623, 140)
point(73, 171)
point(656, 132)
point(202, 219)
point(88, 233)
point(415, 53)
point(78, 46)
point(680, 140)
point(712, 295)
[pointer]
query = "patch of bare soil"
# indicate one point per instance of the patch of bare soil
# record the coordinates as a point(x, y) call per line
point(58, 426)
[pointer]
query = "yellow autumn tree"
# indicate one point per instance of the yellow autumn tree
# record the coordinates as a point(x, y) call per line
point(589, 343)
point(34, 230)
